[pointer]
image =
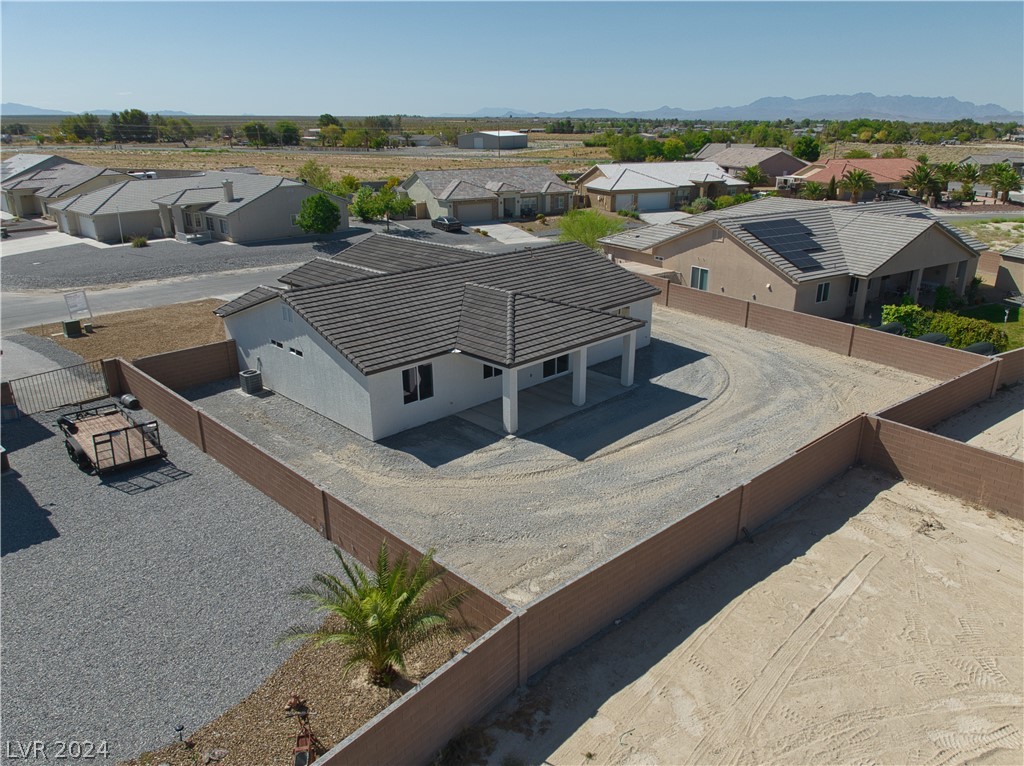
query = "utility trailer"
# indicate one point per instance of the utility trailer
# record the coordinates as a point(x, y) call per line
point(101, 439)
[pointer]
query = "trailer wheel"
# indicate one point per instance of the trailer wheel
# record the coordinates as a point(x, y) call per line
point(77, 455)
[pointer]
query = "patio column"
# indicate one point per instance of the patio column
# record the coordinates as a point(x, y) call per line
point(165, 221)
point(950, 277)
point(628, 358)
point(915, 284)
point(860, 299)
point(179, 220)
point(578, 364)
point(510, 400)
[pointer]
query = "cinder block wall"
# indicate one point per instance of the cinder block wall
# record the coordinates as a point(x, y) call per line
point(192, 366)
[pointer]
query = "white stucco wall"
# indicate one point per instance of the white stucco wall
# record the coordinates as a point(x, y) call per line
point(321, 379)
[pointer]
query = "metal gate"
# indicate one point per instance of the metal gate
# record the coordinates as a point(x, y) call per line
point(59, 388)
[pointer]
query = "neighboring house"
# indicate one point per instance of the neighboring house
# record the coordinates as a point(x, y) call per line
point(415, 140)
point(493, 139)
point(19, 164)
point(773, 162)
point(30, 194)
point(1013, 158)
point(888, 174)
point(475, 195)
point(439, 331)
point(823, 258)
point(1004, 270)
point(708, 151)
point(650, 186)
point(234, 207)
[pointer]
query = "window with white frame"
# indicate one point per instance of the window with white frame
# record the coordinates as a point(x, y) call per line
point(717, 235)
point(276, 343)
point(223, 226)
point(822, 295)
point(294, 351)
point(699, 278)
point(418, 383)
point(556, 366)
point(491, 372)
point(209, 223)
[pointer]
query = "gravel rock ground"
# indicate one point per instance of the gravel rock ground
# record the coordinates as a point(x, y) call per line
point(143, 600)
point(715, 406)
point(61, 357)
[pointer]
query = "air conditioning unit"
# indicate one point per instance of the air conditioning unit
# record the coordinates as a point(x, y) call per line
point(251, 381)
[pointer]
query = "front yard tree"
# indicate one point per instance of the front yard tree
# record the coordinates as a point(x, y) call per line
point(813, 190)
point(315, 174)
point(923, 181)
point(257, 133)
point(1003, 179)
point(364, 204)
point(378, 616)
point(332, 135)
point(586, 227)
point(856, 182)
point(390, 203)
point(806, 148)
point(319, 215)
point(754, 176)
point(287, 133)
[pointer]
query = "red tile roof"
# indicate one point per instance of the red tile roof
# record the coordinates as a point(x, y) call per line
point(884, 171)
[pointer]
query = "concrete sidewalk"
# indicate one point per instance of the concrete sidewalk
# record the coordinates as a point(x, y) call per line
point(507, 235)
point(18, 243)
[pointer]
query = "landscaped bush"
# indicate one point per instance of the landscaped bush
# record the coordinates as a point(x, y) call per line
point(726, 200)
point(963, 331)
point(943, 298)
point(914, 318)
point(140, 242)
point(629, 214)
point(702, 205)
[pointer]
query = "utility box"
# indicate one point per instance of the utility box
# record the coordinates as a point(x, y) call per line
point(72, 328)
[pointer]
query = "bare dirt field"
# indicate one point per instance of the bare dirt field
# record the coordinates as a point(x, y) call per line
point(876, 622)
point(715, 406)
point(996, 425)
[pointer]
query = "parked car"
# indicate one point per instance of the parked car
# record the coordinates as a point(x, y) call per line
point(447, 223)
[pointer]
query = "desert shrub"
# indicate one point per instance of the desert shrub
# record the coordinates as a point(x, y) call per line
point(140, 242)
point(726, 200)
point(702, 205)
point(629, 214)
point(914, 318)
point(963, 331)
point(541, 218)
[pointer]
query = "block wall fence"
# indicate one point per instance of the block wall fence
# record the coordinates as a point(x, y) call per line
point(512, 644)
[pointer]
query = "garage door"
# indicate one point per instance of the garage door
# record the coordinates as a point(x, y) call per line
point(652, 201)
point(481, 211)
point(88, 226)
point(623, 201)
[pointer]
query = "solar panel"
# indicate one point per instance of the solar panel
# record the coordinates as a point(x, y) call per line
point(790, 239)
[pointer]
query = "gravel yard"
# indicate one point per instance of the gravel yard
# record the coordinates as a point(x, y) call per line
point(716, 405)
point(142, 600)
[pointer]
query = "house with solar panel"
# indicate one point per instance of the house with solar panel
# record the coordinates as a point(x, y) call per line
point(823, 258)
point(393, 333)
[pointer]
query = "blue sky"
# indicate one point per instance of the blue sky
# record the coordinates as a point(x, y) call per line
point(294, 58)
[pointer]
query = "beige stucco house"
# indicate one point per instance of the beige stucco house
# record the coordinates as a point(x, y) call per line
point(774, 162)
point(488, 194)
point(823, 258)
point(233, 207)
point(651, 186)
point(31, 194)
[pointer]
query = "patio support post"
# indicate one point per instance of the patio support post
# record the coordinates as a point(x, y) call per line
point(578, 363)
point(860, 300)
point(950, 278)
point(510, 400)
point(628, 358)
point(915, 284)
point(179, 221)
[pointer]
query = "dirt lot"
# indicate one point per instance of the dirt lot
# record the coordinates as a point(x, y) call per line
point(996, 425)
point(877, 622)
point(717, 405)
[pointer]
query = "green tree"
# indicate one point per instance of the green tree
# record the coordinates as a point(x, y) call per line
point(390, 203)
point(315, 174)
point(257, 133)
point(287, 133)
point(379, 617)
point(857, 154)
point(327, 119)
point(673, 150)
point(946, 172)
point(833, 189)
point(807, 148)
point(364, 205)
point(813, 190)
point(968, 174)
point(318, 214)
point(332, 135)
point(587, 226)
point(856, 182)
point(754, 176)
point(923, 181)
point(898, 152)
point(1003, 179)
point(130, 125)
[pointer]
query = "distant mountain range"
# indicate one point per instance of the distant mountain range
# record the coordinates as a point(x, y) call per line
point(24, 110)
point(838, 107)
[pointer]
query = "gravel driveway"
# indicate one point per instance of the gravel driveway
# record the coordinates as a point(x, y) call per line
point(141, 601)
point(715, 405)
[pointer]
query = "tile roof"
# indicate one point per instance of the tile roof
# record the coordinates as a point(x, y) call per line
point(60, 179)
point(884, 171)
point(708, 151)
point(203, 188)
point(984, 159)
point(645, 237)
point(1017, 252)
point(472, 183)
point(810, 240)
point(744, 157)
point(325, 271)
point(252, 298)
point(630, 176)
point(559, 297)
point(17, 164)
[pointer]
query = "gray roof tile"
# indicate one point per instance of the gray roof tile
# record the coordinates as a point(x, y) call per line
point(473, 183)
point(252, 298)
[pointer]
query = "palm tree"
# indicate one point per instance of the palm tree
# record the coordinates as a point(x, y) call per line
point(857, 181)
point(947, 171)
point(1003, 179)
point(379, 617)
point(968, 174)
point(813, 190)
point(754, 176)
point(922, 180)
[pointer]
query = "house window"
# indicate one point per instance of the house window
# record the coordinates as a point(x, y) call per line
point(209, 223)
point(491, 372)
point(295, 351)
point(418, 383)
point(556, 366)
point(295, 219)
point(276, 343)
point(223, 226)
point(854, 286)
point(717, 235)
point(699, 278)
point(822, 296)
point(559, 202)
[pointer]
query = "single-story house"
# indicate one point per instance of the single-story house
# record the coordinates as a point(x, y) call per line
point(823, 258)
point(414, 140)
point(709, 150)
point(19, 164)
point(31, 193)
point(234, 207)
point(1004, 270)
point(383, 352)
point(493, 139)
point(983, 161)
point(474, 195)
point(888, 174)
point(650, 186)
point(773, 161)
